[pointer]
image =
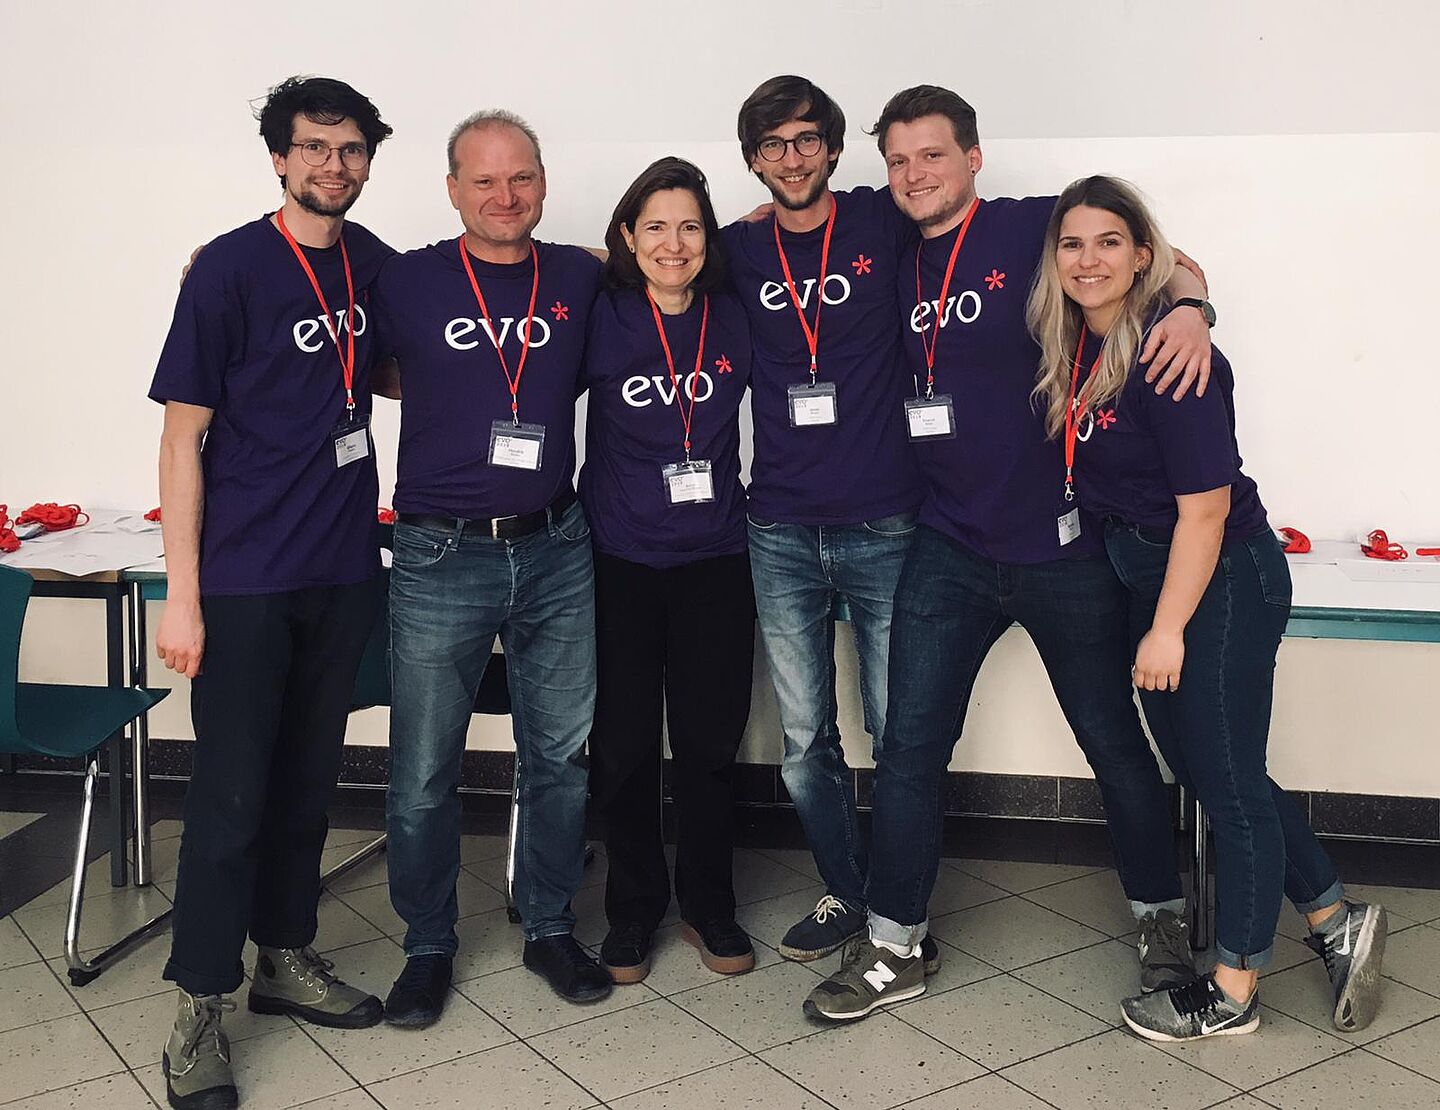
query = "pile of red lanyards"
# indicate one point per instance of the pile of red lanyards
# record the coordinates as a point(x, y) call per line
point(50, 516)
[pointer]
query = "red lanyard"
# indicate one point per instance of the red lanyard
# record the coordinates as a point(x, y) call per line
point(929, 347)
point(347, 357)
point(513, 383)
point(812, 335)
point(687, 416)
point(1072, 417)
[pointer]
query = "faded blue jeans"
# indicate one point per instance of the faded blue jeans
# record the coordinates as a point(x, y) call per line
point(799, 570)
point(450, 595)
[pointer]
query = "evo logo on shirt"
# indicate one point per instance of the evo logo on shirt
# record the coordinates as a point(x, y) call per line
point(308, 335)
point(634, 390)
point(775, 295)
point(964, 307)
point(458, 331)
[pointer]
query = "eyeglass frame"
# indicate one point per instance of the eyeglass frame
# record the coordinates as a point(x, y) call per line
point(329, 150)
point(786, 144)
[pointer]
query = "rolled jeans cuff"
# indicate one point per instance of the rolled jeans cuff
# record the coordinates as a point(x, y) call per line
point(1253, 962)
point(892, 932)
point(446, 950)
point(1333, 893)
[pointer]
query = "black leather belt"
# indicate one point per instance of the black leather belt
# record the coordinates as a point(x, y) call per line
point(496, 528)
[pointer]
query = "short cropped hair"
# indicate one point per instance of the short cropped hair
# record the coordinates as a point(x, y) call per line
point(491, 117)
point(911, 104)
point(621, 269)
point(778, 101)
point(322, 100)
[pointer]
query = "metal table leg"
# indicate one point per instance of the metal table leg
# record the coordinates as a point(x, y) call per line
point(115, 676)
point(140, 735)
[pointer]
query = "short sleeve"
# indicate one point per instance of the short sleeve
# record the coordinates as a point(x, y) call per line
point(1196, 440)
point(206, 336)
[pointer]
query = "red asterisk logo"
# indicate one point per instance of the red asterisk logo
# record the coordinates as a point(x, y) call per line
point(862, 264)
point(1105, 417)
point(560, 311)
point(722, 365)
point(995, 279)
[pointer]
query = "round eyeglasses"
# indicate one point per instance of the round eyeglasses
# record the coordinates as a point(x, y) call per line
point(807, 144)
point(353, 156)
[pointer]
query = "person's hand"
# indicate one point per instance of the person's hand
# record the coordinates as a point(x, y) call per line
point(1185, 261)
point(180, 641)
point(1158, 660)
point(762, 212)
point(185, 269)
point(1178, 353)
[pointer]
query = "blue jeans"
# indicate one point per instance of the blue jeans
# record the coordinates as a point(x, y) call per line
point(450, 595)
point(798, 571)
point(1213, 731)
point(950, 608)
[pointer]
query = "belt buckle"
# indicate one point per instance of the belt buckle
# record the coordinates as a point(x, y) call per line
point(495, 523)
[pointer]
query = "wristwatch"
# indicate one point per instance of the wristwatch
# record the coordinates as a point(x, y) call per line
point(1207, 309)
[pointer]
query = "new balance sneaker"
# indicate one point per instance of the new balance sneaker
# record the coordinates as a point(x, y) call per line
point(876, 977)
point(1166, 961)
point(626, 952)
point(1352, 943)
point(724, 946)
point(302, 983)
point(856, 947)
point(572, 972)
point(196, 1059)
point(1198, 1009)
point(819, 933)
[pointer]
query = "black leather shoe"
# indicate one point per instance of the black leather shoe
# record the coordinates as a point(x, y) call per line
point(626, 952)
point(571, 972)
point(418, 997)
point(724, 946)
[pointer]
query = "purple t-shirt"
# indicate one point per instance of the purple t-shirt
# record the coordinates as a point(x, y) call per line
point(998, 487)
point(1140, 450)
point(634, 427)
point(452, 385)
point(861, 467)
point(250, 341)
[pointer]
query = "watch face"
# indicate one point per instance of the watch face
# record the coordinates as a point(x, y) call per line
point(1208, 311)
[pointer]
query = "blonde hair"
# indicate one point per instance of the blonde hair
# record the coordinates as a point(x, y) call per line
point(1055, 320)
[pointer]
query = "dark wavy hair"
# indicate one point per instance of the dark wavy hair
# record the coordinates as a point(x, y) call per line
point(621, 269)
point(781, 99)
point(322, 100)
point(919, 101)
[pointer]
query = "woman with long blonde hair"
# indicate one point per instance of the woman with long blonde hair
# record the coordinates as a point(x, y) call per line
point(1209, 597)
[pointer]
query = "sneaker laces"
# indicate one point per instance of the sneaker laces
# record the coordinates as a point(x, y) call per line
point(415, 973)
point(315, 965)
point(1324, 945)
point(1200, 997)
point(1170, 935)
point(630, 935)
point(828, 907)
point(208, 1010)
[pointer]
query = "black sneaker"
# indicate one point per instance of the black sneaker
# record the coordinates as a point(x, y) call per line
point(571, 972)
point(1166, 961)
point(418, 997)
point(625, 955)
point(1200, 1009)
point(1353, 945)
point(724, 946)
point(818, 934)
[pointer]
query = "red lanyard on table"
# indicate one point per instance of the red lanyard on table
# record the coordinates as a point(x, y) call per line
point(1072, 417)
point(513, 383)
point(687, 416)
point(929, 347)
point(812, 335)
point(347, 357)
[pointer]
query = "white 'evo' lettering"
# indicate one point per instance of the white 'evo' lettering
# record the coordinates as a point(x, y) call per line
point(307, 332)
point(634, 389)
point(965, 308)
point(775, 295)
point(459, 329)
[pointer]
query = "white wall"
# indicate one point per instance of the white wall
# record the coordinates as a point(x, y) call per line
point(1291, 147)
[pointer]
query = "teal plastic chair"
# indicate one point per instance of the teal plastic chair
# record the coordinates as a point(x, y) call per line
point(67, 722)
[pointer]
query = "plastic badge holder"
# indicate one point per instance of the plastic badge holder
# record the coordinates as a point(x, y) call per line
point(519, 446)
point(812, 406)
point(929, 418)
point(689, 483)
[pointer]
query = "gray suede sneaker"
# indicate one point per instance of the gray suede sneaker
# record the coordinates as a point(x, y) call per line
point(298, 982)
point(197, 1055)
point(877, 977)
point(1352, 944)
point(856, 947)
point(1166, 961)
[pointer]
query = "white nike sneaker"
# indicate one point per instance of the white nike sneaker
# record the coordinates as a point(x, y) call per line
point(1198, 1009)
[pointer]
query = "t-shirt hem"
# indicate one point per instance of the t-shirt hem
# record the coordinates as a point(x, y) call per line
point(287, 587)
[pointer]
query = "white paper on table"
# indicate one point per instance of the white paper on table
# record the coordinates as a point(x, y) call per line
point(1417, 568)
point(113, 539)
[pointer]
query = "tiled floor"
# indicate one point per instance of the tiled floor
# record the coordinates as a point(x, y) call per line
point(1022, 1015)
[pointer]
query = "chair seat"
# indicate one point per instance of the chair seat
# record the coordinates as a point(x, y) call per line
point(73, 721)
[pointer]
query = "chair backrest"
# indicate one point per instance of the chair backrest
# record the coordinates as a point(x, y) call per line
point(14, 598)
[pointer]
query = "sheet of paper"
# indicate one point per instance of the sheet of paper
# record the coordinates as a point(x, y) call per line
point(114, 539)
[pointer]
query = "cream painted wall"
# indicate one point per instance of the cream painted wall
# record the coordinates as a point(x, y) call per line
point(1292, 147)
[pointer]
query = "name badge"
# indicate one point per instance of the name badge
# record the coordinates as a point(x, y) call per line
point(689, 483)
point(1068, 526)
point(352, 440)
point(930, 417)
point(518, 446)
point(812, 405)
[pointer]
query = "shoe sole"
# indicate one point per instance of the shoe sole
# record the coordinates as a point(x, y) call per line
point(1362, 990)
point(721, 965)
point(214, 1098)
point(805, 955)
point(1155, 1035)
point(363, 1016)
point(814, 1011)
point(579, 997)
point(627, 974)
point(413, 1021)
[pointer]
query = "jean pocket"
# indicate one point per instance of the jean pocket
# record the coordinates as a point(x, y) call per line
point(901, 524)
point(762, 525)
point(1271, 568)
point(572, 524)
point(418, 549)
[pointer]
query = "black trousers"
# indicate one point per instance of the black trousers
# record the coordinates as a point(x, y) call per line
point(269, 709)
point(681, 642)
